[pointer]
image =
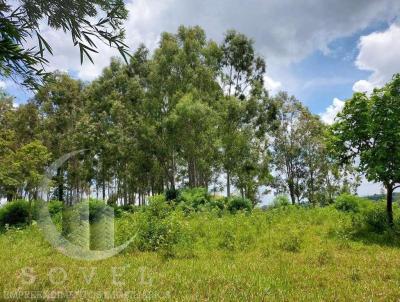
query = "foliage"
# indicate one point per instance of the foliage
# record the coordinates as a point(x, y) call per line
point(195, 197)
point(367, 129)
point(213, 249)
point(300, 154)
point(236, 203)
point(280, 201)
point(172, 194)
point(55, 207)
point(88, 22)
point(351, 203)
point(159, 228)
point(291, 243)
point(15, 213)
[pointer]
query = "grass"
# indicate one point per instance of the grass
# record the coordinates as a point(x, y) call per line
point(288, 254)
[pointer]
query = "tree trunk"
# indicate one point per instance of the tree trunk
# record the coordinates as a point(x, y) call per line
point(228, 184)
point(291, 192)
point(389, 204)
point(60, 179)
point(9, 197)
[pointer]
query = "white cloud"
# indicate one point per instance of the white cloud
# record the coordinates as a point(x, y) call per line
point(363, 86)
point(285, 31)
point(379, 53)
point(272, 85)
point(330, 113)
point(2, 84)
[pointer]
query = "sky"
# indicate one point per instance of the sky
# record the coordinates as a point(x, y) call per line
point(319, 51)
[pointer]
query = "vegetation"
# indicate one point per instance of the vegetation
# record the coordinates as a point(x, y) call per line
point(367, 129)
point(88, 22)
point(180, 145)
point(262, 255)
point(192, 114)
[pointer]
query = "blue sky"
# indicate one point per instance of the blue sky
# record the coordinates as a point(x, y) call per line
point(332, 74)
point(311, 47)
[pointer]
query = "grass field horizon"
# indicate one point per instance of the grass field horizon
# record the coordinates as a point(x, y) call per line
point(286, 253)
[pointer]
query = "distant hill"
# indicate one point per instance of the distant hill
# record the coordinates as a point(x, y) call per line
point(376, 197)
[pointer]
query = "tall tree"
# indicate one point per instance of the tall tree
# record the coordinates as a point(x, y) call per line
point(241, 71)
point(59, 104)
point(368, 129)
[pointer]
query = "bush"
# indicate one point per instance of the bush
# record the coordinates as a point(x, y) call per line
point(55, 207)
point(351, 203)
point(375, 220)
point(280, 201)
point(159, 228)
point(172, 194)
point(236, 203)
point(196, 197)
point(292, 243)
point(130, 208)
point(97, 208)
point(14, 213)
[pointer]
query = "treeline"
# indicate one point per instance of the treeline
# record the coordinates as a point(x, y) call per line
point(194, 113)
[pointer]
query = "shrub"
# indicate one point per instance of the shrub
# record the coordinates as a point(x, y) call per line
point(351, 203)
point(281, 201)
point(195, 197)
point(292, 243)
point(237, 203)
point(158, 207)
point(376, 220)
point(130, 208)
point(55, 207)
point(14, 213)
point(97, 208)
point(159, 230)
point(172, 194)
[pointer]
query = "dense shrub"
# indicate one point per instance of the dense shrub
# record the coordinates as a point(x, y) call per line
point(14, 213)
point(351, 203)
point(237, 203)
point(196, 197)
point(55, 207)
point(97, 208)
point(172, 194)
point(159, 228)
point(280, 201)
point(376, 220)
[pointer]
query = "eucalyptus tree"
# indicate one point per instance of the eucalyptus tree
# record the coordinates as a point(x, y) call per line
point(88, 21)
point(241, 75)
point(368, 129)
point(194, 125)
point(287, 145)
point(60, 106)
point(185, 63)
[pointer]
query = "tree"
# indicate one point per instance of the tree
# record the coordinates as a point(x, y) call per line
point(193, 124)
point(88, 22)
point(32, 160)
point(59, 105)
point(240, 75)
point(367, 129)
point(287, 145)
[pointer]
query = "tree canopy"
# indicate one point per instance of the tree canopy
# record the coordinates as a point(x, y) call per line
point(193, 113)
point(368, 130)
point(88, 21)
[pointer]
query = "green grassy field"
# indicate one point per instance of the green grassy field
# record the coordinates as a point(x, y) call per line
point(292, 254)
